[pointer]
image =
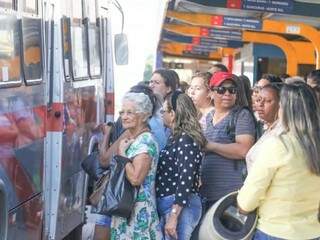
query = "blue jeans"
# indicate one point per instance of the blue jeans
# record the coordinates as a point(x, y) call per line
point(188, 218)
point(259, 235)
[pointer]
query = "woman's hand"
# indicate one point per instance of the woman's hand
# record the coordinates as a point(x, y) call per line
point(124, 145)
point(171, 226)
point(106, 129)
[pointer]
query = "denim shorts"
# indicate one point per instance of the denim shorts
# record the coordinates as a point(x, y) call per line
point(98, 218)
point(101, 220)
point(188, 218)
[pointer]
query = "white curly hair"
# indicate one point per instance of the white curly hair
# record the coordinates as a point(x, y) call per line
point(141, 102)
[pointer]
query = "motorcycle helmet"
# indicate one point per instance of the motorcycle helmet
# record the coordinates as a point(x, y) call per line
point(224, 222)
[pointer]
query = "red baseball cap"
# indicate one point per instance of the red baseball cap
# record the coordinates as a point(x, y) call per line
point(219, 77)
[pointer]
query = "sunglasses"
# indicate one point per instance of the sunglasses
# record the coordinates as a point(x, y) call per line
point(223, 90)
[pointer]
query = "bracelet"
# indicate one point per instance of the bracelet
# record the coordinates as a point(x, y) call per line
point(174, 211)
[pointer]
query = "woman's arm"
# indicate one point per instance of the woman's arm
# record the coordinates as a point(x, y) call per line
point(171, 225)
point(271, 157)
point(237, 150)
point(138, 169)
point(244, 131)
point(106, 152)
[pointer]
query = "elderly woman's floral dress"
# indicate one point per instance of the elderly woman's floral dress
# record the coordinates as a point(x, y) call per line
point(144, 222)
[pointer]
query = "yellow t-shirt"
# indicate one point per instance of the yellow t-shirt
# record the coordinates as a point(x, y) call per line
point(283, 189)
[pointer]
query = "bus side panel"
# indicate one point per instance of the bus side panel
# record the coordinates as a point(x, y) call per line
point(21, 146)
point(80, 119)
point(26, 220)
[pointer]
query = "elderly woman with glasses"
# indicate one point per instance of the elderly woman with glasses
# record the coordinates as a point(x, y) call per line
point(230, 134)
point(140, 146)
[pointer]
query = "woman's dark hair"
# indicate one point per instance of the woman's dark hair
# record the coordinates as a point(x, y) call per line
point(171, 78)
point(175, 76)
point(147, 91)
point(271, 78)
point(275, 87)
point(283, 76)
point(184, 86)
point(241, 99)
point(315, 76)
point(246, 86)
point(186, 117)
point(221, 67)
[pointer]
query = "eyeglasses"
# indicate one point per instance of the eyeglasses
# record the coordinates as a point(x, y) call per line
point(129, 113)
point(156, 82)
point(223, 90)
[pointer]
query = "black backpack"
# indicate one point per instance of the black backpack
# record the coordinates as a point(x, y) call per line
point(231, 131)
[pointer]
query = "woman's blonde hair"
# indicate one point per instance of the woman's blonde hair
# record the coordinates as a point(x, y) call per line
point(301, 117)
point(205, 76)
point(185, 117)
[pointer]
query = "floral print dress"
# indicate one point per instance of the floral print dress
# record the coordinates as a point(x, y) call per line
point(144, 222)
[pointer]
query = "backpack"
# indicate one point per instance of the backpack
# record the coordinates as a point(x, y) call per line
point(231, 131)
point(231, 128)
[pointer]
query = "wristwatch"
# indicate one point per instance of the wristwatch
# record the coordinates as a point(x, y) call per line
point(174, 211)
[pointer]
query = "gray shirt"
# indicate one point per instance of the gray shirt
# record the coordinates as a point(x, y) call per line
point(219, 174)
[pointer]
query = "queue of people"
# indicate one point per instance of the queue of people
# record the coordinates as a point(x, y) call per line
point(189, 149)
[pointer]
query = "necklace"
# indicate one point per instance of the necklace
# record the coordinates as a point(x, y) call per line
point(217, 117)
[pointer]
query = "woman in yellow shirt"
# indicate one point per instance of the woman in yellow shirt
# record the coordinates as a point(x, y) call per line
point(284, 182)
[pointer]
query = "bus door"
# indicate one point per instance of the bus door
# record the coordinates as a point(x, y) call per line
point(75, 109)
point(22, 120)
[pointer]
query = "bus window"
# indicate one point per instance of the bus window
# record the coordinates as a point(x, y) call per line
point(6, 3)
point(93, 31)
point(79, 50)
point(78, 43)
point(10, 60)
point(90, 10)
point(31, 35)
point(94, 50)
point(66, 42)
point(30, 6)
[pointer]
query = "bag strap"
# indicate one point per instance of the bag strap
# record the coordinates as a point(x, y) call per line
point(231, 129)
point(146, 129)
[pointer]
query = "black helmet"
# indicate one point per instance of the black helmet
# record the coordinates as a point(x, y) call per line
point(224, 222)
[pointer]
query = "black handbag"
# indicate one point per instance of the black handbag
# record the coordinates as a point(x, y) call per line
point(91, 165)
point(99, 188)
point(119, 196)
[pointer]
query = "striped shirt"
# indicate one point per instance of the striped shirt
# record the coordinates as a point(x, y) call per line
point(220, 175)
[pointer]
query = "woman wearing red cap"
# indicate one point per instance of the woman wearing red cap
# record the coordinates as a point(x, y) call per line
point(230, 134)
